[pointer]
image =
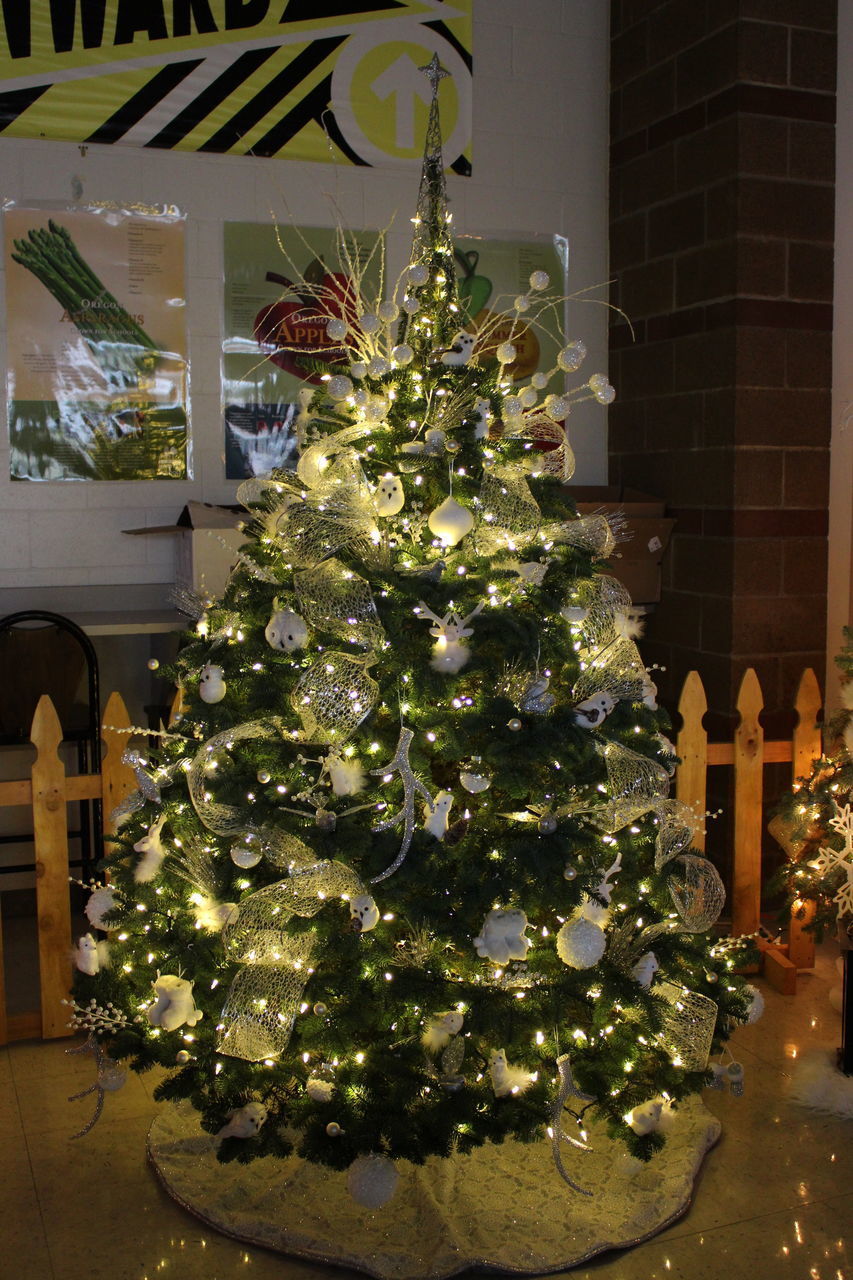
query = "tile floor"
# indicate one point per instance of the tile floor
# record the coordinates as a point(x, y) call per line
point(774, 1199)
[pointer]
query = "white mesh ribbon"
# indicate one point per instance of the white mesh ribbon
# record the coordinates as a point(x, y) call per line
point(689, 1025)
point(333, 697)
point(697, 891)
point(557, 460)
point(508, 512)
point(334, 599)
point(225, 819)
point(677, 827)
point(592, 607)
point(261, 935)
point(634, 785)
point(616, 667)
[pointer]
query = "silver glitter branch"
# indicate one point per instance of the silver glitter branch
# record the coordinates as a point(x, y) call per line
point(110, 1077)
point(567, 1089)
point(400, 764)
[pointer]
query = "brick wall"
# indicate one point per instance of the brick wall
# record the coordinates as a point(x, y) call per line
point(722, 196)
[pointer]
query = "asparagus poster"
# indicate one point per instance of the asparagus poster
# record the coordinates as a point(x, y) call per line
point(273, 331)
point(97, 348)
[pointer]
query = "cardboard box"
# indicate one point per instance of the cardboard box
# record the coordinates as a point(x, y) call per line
point(207, 542)
point(636, 562)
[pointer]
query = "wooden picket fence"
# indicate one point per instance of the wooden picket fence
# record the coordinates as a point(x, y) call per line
point(748, 753)
point(48, 791)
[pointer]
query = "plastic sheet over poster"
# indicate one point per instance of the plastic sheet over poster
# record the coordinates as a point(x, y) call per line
point(97, 365)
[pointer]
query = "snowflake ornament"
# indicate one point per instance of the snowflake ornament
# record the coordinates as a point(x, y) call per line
point(830, 860)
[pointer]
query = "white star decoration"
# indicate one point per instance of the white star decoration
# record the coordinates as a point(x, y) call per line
point(829, 860)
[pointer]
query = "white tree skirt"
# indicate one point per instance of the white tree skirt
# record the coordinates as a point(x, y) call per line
point(502, 1208)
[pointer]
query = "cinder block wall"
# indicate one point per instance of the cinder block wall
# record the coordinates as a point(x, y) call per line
point(722, 194)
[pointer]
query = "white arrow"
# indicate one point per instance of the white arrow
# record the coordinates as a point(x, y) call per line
point(404, 81)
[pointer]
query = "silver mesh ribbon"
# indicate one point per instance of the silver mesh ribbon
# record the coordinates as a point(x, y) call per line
point(634, 784)
point(558, 459)
point(592, 533)
point(616, 667)
point(677, 827)
point(697, 891)
point(334, 599)
point(689, 1025)
point(598, 600)
point(333, 697)
point(260, 935)
point(262, 1003)
point(508, 512)
point(225, 819)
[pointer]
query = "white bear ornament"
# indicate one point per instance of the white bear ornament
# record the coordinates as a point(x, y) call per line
point(501, 938)
point(173, 1005)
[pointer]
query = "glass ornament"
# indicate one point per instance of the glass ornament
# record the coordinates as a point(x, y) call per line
point(263, 776)
point(514, 724)
point(246, 852)
point(321, 1009)
point(475, 778)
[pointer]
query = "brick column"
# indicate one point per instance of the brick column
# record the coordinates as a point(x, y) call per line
point(722, 132)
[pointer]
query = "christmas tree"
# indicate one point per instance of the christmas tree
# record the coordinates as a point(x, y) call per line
point(404, 878)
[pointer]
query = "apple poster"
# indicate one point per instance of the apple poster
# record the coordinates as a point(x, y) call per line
point(274, 342)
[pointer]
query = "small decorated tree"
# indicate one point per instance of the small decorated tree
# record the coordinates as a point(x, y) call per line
point(404, 878)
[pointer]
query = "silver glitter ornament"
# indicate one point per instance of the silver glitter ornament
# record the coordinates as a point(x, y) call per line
point(400, 764)
point(263, 776)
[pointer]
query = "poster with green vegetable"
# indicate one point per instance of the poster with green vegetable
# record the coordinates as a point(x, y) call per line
point(273, 335)
point(97, 348)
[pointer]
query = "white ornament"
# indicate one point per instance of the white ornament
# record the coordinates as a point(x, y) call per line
point(532, 572)
point(506, 353)
point(572, 356)
point(319, 1089)
point(364, 913)
point(245, 1122)
point(101, 902)
point(411, 305)
point(213, 916)
point(339, 387)
point(378, 367)
point(91, 956)
point(418, 273)
point(173, 1005)
point(482, 414)
point(522, 303)
point(358, 368)
point(601, 389)
point(436, 814)
point(347, 775)
point(460, 350)
point(646, 1118)
point(450, 653)
point(389, 497)
point(594, 711)
point(645, 969)
point(369, 323)
point(501, 938)
point(285, 630)
point(505, 1078)
point(539, 280)
point(439, 1030)
point(402, 354)
point(211, 686)
point(388, 311)
point(336, 328)
point(450, 522)
point(372, 1181)
point(756, 1006)
point(153, 852)
point(558, 407)
point(830, 860)
point(580, 943)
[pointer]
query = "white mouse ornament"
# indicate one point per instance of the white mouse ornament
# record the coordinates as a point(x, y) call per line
point(286, 630)
point(501, 938)
point(211, 685)
point(364, 913)
point(245, 1122)
point(153, 852)
point(173, 1005)
point(482, 414)
point(389, 497)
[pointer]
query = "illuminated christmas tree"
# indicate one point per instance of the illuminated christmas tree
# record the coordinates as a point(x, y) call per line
point(404, 877)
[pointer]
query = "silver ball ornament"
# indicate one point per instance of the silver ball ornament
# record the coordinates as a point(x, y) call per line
point(547, 824)
point(569, 873)
point(264, 776)
point(336, 328)
point(182, 1057)
point(514, 724)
